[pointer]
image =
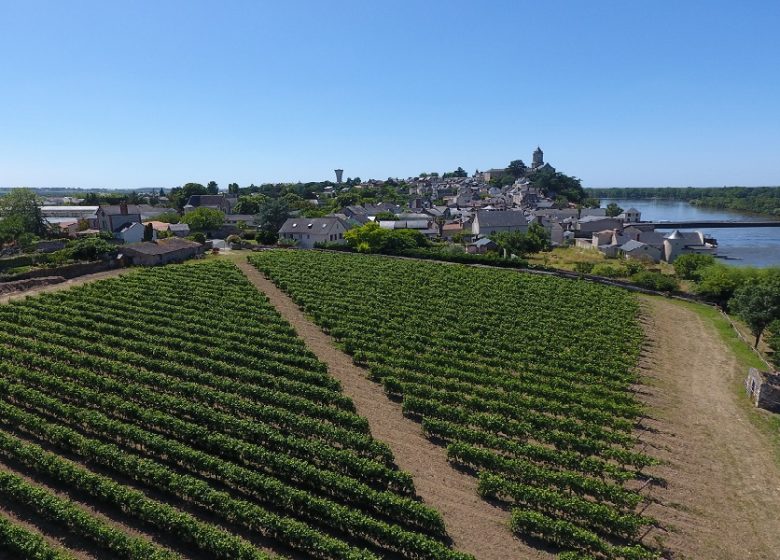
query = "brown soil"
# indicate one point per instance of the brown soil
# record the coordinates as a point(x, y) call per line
point(723, 497)
point(65, 285)
point(474, 525)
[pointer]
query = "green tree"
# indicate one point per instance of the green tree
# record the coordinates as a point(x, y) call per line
point(773, 341)
point(148, 232)
point(180, 195)
point(591, 202)
point(23, 208)
point(757, 302)
point(517, 168)
point(272, 214)
point(655, 281)
point(536, 239)
point(370, 238)
point(169, 217)
point(249, 204)
point(212, 188)
point(688, 266)
point(233, 188)
point(385, 216)
point(613, 209)
point(557, 184)
point(718, 282)
point(204, 219)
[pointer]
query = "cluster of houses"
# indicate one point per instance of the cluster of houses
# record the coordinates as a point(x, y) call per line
point(126, 222)
point(471, 209)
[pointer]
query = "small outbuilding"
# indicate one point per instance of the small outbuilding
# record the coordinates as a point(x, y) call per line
point(482, 246)
point(163, 251)
point(763, 387)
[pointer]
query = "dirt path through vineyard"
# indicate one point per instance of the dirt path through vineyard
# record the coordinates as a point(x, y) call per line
point(474, 525)
point(724, 483)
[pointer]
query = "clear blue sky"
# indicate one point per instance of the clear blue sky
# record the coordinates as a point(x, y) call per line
point(619, 93)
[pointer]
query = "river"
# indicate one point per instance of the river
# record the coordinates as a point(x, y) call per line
point(741, 246)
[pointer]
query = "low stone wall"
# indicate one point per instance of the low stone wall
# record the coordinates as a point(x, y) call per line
point(28, 284)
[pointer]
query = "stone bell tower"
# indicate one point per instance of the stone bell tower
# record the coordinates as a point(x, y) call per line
point(538, 158)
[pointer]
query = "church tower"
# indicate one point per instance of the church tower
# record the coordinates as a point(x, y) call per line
point(538, 158)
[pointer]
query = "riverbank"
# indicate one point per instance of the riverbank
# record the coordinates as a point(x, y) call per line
point(758, 201)
point(759, 247)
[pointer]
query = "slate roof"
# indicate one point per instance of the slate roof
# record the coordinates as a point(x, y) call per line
point(197, 200)
point(507, 218)
point(631, 245)
point(115, 209)
point(161, 247)
point(317, 226)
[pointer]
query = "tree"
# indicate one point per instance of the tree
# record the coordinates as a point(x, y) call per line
point(204, 219)
point(148, 232)
point(371, 238)
point(536, 239)
point(385, 216)
point(169, 217)
point(557, 184)
point(249, 204)
point(459, 172)
point(180, 195)
point(22, 207)
point(688, 266)
point(613, 209)
point(773, 340)
point(719, 282)
point(272, 214)
point(517, 168)
point(591, 202)
point(162, 192)
point(757, 302)
point(212, 188)
point(233, 188)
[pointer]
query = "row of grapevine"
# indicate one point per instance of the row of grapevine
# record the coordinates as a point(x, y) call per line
point(526, 379)
point(179, 398)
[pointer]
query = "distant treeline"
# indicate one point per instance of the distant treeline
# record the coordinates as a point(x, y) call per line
point(760, 200)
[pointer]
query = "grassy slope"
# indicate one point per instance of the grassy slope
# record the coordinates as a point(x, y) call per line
point(767, 422)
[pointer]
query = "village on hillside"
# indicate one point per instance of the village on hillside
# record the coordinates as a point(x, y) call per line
point(452, 208)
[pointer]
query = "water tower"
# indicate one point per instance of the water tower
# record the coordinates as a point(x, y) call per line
point(339, 173)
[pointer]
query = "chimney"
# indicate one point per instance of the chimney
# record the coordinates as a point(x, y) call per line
point(123, 208)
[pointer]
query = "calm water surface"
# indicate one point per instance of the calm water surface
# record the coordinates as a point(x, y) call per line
point(742, 246)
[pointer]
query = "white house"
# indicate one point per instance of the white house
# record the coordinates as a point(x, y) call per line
point(133, 233)
point(308, 231)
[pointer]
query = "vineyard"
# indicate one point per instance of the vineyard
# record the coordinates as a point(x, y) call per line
point(525, 379)
point(172, 413)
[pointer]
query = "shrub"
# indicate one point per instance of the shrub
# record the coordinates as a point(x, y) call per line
point(655, 281)
point(584, 267)
point(248, 234)
point(266, 237)
point(198, 237)
point(233, 238)
point(609, 270)
point(689, 266)
point(89, 249)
